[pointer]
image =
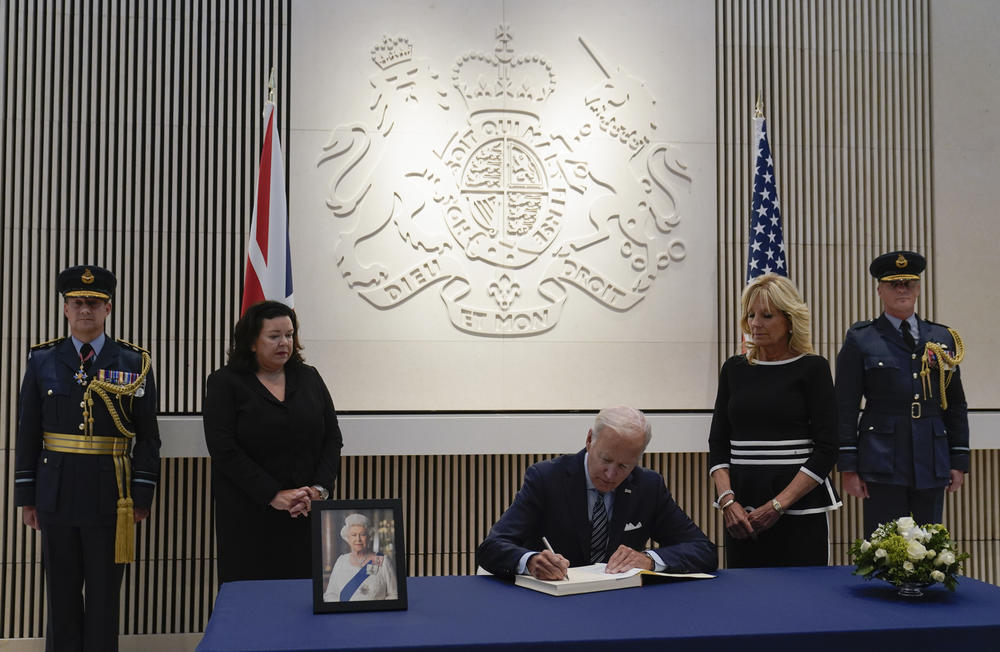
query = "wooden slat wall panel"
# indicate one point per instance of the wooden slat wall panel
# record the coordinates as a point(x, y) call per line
point(846, 89)
point(129, 137)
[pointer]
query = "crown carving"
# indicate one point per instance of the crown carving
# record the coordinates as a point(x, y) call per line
point(392, 51)
point(519, 82)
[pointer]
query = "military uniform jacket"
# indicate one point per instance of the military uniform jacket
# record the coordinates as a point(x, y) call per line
point(903, 437)
point(71, 488)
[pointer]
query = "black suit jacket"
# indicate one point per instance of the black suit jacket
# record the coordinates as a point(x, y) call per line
point(81, 489)
point(553, 503)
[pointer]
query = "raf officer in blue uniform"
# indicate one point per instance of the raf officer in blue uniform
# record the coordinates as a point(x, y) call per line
point(912, 439)
point(87, 461)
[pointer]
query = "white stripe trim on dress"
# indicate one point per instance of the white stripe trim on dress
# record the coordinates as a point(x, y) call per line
point(774, 362)
point(779, 461)
point(770, 442)
point(772, 451)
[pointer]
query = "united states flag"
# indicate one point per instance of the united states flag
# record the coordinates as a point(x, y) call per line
point(767, 246)
point(268, 272)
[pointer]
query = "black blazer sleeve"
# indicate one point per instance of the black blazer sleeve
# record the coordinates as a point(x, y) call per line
point(228, 457)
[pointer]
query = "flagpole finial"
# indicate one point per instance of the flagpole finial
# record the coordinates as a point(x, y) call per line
point(759, 108)
point(270, 86)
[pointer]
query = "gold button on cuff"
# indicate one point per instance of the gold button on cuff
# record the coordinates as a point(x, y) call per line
point(81, 426)
point(49, 392)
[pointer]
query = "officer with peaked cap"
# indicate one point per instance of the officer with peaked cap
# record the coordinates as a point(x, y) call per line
point(87, 461)
point(912, 439)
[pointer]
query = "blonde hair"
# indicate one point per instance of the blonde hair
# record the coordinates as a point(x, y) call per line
point(778, 293)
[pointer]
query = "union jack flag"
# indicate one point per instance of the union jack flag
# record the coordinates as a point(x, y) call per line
point(767, 245)
point(268, 273)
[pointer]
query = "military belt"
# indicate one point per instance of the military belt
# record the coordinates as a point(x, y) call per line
point(82, 444)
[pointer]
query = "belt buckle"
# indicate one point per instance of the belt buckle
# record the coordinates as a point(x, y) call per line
point(915, 410)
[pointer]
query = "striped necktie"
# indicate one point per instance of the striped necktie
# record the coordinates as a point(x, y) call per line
point(599, 532)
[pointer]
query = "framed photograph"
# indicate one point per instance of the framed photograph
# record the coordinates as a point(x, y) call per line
point(359, 555)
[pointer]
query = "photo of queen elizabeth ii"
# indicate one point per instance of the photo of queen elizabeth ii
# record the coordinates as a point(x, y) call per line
point(364, 568)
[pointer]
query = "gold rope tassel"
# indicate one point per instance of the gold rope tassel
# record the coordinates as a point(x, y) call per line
point(125, 532)
point(125, 525)
point(946, 365)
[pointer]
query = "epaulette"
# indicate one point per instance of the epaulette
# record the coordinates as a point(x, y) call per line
point(862, 324)
point(129, 345)
point(46, 345)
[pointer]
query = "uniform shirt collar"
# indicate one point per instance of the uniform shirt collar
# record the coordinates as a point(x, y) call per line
point(97, 344)
point(911, 320)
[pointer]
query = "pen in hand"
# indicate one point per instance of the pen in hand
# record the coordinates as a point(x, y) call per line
point(548, 546)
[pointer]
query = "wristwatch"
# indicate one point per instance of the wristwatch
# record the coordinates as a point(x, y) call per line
point(323, 493)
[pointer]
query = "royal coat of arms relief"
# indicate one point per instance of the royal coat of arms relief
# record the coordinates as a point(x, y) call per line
point(511, 213)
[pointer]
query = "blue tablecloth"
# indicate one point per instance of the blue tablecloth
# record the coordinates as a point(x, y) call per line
point(794, 609)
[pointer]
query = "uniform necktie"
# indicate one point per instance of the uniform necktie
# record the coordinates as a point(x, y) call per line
point(904, 326)
point(599, 533)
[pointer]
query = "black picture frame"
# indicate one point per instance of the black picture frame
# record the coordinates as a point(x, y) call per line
point(379, 584)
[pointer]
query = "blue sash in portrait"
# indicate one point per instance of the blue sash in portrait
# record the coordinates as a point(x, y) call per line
point(358, 579)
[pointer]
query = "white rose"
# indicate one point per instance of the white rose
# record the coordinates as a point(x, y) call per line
point(881, 553)
point(908, 566)
point(930, 554)
point(947, 557)
point(937, 576)
point(865, 546)
point(915, 550)
point(905, 523)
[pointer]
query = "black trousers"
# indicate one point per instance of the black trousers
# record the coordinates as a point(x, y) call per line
point(887, 502)
point(793, 541)
point(83, 583)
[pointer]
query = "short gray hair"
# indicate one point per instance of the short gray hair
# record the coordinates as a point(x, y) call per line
point(623, 419)
point(351, 521)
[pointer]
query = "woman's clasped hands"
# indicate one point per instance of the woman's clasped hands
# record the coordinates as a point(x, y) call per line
point(297, 502)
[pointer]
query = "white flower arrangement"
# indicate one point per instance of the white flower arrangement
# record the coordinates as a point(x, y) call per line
point(901, 552)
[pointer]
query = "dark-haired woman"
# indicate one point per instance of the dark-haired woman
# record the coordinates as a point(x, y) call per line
point(272, 432)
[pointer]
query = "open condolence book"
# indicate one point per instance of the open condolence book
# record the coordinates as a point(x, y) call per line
point(588, 579)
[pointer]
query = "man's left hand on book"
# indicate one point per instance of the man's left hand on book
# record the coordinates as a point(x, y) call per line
point(626, 558)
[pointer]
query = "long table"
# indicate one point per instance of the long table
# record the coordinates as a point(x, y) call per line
point(778, 609)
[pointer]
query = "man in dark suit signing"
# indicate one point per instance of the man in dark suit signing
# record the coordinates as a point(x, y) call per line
point(598, 505)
